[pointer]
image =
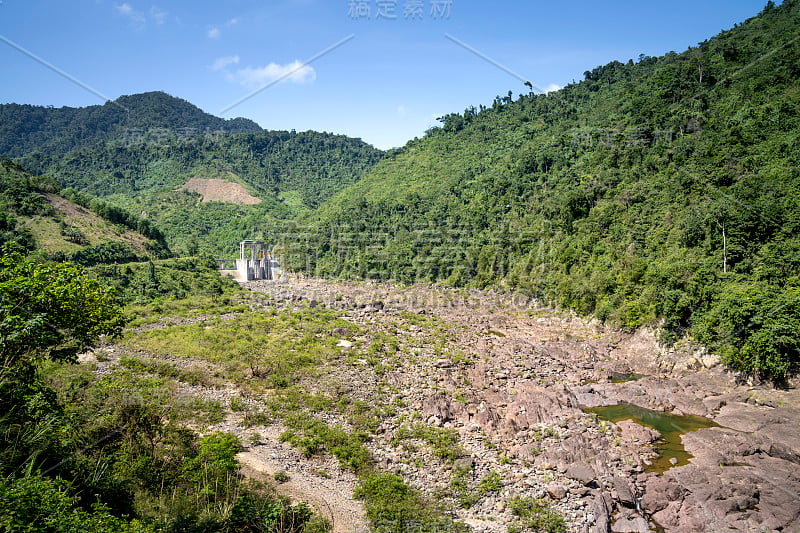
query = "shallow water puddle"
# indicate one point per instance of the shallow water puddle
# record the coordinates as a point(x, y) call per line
point(624, 377)
point(671, 427)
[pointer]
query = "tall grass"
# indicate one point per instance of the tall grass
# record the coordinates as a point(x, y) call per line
point(274, 349)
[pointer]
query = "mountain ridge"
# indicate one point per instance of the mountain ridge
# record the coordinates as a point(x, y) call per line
point(140, 150)
point(28, 128)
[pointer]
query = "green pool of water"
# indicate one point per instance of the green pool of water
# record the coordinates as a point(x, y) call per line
point(624, 377)
point(671, 427)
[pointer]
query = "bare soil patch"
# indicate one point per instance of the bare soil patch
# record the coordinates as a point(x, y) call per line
point(217, 190)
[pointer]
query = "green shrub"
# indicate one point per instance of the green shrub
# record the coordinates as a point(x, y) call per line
point(37, 503)
point(314, 436)
point(105, 252)
point(536, 515)
point(464, 495)
point(443, 441)
point(491, 483)
point(393, 506)
point(237, 404)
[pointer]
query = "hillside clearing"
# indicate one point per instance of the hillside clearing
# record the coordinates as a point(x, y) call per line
point(217, 190)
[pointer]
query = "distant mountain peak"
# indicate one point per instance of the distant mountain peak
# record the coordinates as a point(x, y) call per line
point(27, 128)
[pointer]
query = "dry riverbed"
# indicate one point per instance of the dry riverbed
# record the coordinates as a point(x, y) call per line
point(513, 382)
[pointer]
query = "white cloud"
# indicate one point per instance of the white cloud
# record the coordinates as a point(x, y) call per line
point(158, 16)
point(232, 22)
point(401, 111)
point(295, 72)
point(552, 88)
point(214, 33)
point(223, 62)
point(136, 17)
point(125, 9)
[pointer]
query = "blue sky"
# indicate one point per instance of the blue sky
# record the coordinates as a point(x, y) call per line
point(389, 70)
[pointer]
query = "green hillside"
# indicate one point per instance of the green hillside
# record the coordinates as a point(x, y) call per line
point(142, 168)
point(26, 129)
point(35, 213)
point(658, 191)
point(311, 164)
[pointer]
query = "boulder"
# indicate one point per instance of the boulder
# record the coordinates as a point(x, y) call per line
point(630, 525)
point(660, 492)
point(556, 492)
point(581, 472)
point(601, 507)
point(625, 494)
point(437, 406)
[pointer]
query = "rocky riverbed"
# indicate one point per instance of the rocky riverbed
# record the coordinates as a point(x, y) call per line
point(516, 391)
point(517, 386)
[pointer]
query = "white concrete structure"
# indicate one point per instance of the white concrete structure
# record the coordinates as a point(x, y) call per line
point(255, 262)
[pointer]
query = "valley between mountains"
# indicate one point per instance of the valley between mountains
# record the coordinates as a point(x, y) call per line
point(576, 310)
point(480, 400)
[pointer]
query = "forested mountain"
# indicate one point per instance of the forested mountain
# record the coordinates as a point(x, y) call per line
point(659, 191)
point(288, 171)
point(27, 129)
point(138, 151)
point(309, 165)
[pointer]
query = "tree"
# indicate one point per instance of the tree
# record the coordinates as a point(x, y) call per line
point(47, 310)
point(755, 327)
point(50, 310)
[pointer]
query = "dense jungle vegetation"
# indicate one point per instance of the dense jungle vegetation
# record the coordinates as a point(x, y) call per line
point(26, 129)
point(309, 164)
point(658, 191)
point(290, 172)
